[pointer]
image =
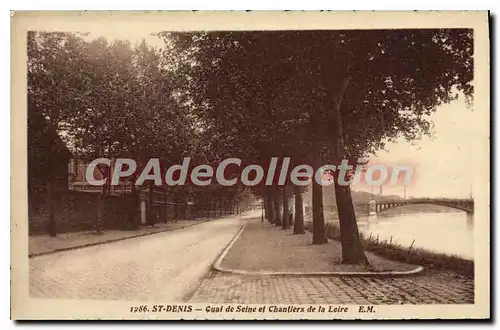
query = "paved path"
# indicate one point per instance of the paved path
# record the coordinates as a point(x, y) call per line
point(427, 288)
point(263, 247)
point(162, 267)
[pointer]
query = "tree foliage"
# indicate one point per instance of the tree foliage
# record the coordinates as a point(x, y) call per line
point(313, 95)
point(276, 93)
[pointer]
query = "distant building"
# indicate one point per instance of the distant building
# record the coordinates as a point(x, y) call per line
point(77, 169)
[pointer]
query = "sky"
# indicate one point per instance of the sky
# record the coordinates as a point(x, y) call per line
point(442, 163)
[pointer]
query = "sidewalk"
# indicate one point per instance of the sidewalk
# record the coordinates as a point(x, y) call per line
point(45, 244)
point(262, 247)
point(266, 248)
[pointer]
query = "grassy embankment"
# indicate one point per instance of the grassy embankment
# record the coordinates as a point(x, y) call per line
point(397, 252)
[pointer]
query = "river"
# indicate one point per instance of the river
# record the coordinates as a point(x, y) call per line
point(450, 233)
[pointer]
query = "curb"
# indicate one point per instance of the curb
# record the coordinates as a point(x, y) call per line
point(38, 254)
point(217, 266)
point(218, 261)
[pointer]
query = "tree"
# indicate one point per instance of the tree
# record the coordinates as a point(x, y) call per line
point(298, 225)
point(345, 93)
point(398, 78)
point(242, 115)
point(286, 210)
point(107, 99)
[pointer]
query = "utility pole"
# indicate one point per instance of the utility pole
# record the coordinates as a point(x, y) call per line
point(405, 191)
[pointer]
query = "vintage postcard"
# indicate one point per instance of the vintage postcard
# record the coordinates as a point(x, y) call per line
point(250, 165)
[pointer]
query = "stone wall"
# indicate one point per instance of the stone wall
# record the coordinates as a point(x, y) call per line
point(75, 210)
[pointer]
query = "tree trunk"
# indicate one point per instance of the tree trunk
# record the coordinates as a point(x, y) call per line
point(165, 206)
point(132, 220)
point(352, 250)
point(319, 232)
point(298, 226)
point(100, 209)
point(270, 206)
point(264, 205)
point(286, 220)
point(277, 209)
point(52, 227)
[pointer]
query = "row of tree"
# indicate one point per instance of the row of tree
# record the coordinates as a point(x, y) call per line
point(110, 99)
point(314, 96)
point(320, 95)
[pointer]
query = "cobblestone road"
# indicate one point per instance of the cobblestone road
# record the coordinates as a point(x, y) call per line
point(162, 267)
point(426, 288)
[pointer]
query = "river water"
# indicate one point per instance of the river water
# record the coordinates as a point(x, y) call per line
point(450, 233)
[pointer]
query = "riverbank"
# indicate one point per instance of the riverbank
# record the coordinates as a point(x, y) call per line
point(262, 247)
point(410, 255)
point(330, 213)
